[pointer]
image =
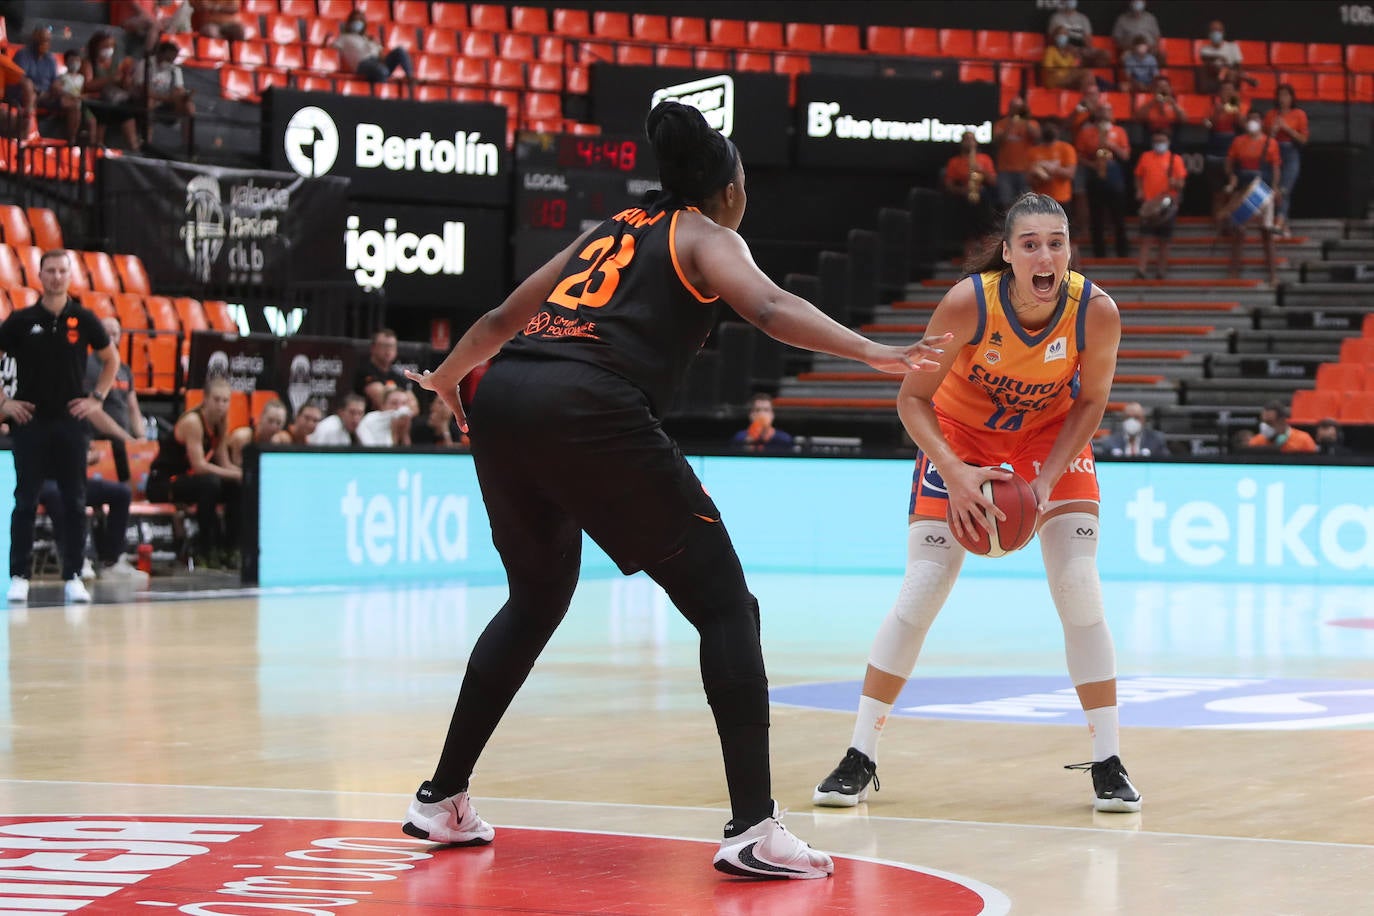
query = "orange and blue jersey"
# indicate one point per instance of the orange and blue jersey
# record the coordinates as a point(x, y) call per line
point(1009, 379)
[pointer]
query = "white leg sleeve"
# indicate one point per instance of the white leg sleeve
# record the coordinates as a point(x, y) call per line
point(1069, 545)
point(933, 559)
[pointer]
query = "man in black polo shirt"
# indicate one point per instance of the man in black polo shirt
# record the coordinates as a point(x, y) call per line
point(49, 342)
point(379, 374)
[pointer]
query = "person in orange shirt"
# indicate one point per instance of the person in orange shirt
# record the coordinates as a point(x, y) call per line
point(1161, 111)
point(1103, 151)
point(1287, 124)
point(1025, 383)
point(1050, 165)
point(1159, 177)
point(1014, 136)
point(1254, 155)
point(970, 182)
point(1275, 435)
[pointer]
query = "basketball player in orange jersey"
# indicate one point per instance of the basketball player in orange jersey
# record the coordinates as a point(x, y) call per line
point(1025, 383)
point(566, 437)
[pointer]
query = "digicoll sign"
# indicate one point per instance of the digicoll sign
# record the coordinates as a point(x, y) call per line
point(395, 149)
point(426, 255)
point(898, 124)
point(749, 108)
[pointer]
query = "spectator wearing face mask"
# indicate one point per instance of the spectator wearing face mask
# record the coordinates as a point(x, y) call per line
point(1159, 178)
point(361, 54)
point(1220, 60)
point(1062, 65)
point(1078, 28)
point(1132, 439)
point(1137, 22)
point(1139, 66)
point(1254, 155)
point(1050, 166)
point(1161, 113)
point(1275, 435)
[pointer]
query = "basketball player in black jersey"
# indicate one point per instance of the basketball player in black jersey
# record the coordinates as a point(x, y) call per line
point(566, 437)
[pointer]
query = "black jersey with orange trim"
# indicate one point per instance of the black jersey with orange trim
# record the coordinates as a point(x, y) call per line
point(623, 303)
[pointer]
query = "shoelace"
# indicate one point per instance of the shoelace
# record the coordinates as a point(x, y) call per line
point(1080, 766)
point(858, 770)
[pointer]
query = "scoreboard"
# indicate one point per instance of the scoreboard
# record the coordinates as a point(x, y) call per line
point(567, 183)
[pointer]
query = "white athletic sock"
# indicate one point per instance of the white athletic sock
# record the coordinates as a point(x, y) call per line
point(1104, 727)
point(868, 726)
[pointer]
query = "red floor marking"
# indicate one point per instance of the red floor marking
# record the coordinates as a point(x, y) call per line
point(102, 865)
point(1358, 623)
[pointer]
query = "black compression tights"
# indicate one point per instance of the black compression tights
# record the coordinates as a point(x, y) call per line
point(707, 585)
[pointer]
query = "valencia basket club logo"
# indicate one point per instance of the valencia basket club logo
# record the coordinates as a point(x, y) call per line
point(312, 142)
point(203, 232)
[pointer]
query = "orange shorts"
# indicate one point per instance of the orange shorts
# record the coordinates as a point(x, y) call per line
point(1024, 451)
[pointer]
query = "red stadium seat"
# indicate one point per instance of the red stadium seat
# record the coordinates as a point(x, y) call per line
point(977, 72)
point(1048, 103)
point(428, 92)
point(212, 49)
point(1359, 350)
point(14, 225)
point(577, 79)
point(669, 56)
point(1178, 52)
point(81, 280)
point(473, 71)
point(920, 42)
point(479, 44)
point(487, 17)
point(432, 68)
point(1357, 407)
point(396, 35)
point(29, 256)
point(411, 12)
point(45, 229)
point(11, 268)
point(249, 53)
point(884, 39)
point(1341, 376)
point(321, 31)
point(1304, 83)
point(507, 74)
point(711, 59)
point(451, 16)
point(1331, 87)
point(611, 26)
point(572, 23)
point(1325, 55)
point(764, 36)
point(687, 30)
point(842, 39)
point(804, 36)
point(217, 313)
point(753, 62)
point(322, 60)
point(992, 45)
point(530, 19)
point(440, 41)
point(1287, 54)
point(282, 30)
point(267, 78)
point(287, 57)
point(236, 84)
point(649, 27)
point(1362, 87)
point(543, 106)
point(956, 43)
point(728, 33)
point(551, 49)
point(628, 55)
point(1360, 58)
point(298, 7)
point(21, 297)
point(1253, 53)
point(791, 64)
point(1027, 46)
point(1310, 406)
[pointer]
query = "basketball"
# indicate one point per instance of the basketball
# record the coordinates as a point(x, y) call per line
point(1017, 500)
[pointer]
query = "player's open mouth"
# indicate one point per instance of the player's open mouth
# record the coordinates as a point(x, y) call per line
point(1043, 283)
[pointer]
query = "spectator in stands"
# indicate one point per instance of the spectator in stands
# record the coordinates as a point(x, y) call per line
point(1062, 65)
point(1134, 23)
point(1287, 124)
point(109, 542)
point(270, 422)
point(150, 20)
point(218, 18)
point(969, 181)
point(1051, 165)
point(1139, 66)
point(1133, 438)
point(762, 435)
point(1329, 439)
point(1161, 112)
point(1275, 435)
point(391, 424)
point(192, 466)
point(1083, 112)
point(121, 403)
point(1014, 135)
point(438, 426)
point(36, 93)
point(109, 80)
point(1219, 60)
point(1223, 123)
point(380, 374)
point(167, 95)
point(1159, 177)
point(1103, 152)
point(305, 423)
point(1077, 27)
point(1086, 107)
point(69, 89)
point(1253, 155)
point(361, 54)
point(341, 427)
point(50, 341)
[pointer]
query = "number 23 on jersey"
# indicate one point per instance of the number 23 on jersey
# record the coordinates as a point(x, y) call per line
point(593, 286)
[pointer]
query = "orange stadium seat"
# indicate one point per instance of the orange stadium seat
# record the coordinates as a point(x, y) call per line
point(100, 303)
point(217, 313)
point(132, 275)
point(1361, 87)
point(1178, 51)
point(132, 314)
point(6, 307)
point(1357, 407)
point(1304, 83)
point(687, 30)
point(14, 225)
point(956, 43)
point(1287, 54)
point(764, 35)
point(80, 280)
point(572, 23)
point(1027, 45)
point(21, 297)
point(1367, 326)
point(359, 87)
point(1353, 349)
point(29, 256)
point(11, 268)
point(1331, 87)
point(804, 36)
point(192, 318)
point(1360, 58)
point(1311, 405)
point(46, 230)
point(989, 44)
point(728, 33)
point(1253, 53)
point(104, 278)
point(650, 27)
point(1340, 376)
point(411, 12)
point(591, 52)
point(1320, 54)
point(884, 39)
point(532, 19)
point(298, 7)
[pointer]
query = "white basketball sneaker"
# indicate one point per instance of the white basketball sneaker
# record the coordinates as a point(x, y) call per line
point(768, 850)
point(450, 820)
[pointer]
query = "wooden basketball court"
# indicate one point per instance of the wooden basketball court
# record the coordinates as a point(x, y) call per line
point(292, 707)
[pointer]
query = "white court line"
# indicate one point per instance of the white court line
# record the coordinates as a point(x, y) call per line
point(677, 808)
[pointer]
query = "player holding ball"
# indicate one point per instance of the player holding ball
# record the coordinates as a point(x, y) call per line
point(1028, 389)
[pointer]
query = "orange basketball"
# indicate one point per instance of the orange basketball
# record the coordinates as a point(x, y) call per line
point(1017, 500)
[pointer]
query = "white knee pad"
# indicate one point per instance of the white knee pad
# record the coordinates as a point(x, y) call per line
point(933, 559)
point(1068, 544)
